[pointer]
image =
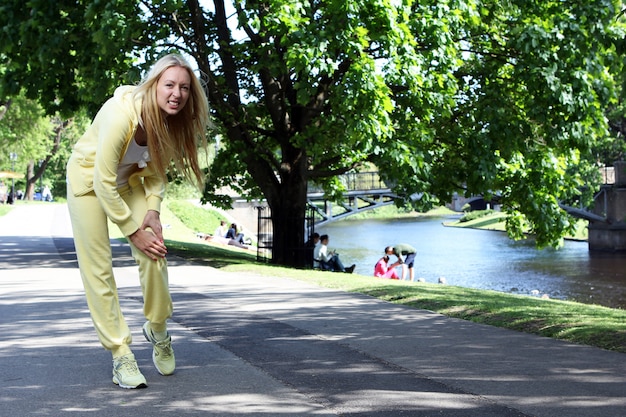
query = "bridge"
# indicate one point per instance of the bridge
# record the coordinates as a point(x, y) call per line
point(363, 191)
point(600, 200)
point(607, 219)
point(366, 191)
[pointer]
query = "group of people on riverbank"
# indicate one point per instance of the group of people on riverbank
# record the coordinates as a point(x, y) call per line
point(405, 257)
point(321, 258)
point(227, 236)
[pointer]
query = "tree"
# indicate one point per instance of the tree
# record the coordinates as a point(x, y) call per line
point(445, 95)
point(42, 143)
point(67, 54)
point(24, 131)
point(534, 86)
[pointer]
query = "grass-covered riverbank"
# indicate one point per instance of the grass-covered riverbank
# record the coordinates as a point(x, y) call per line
point(579, 323)
point(495, 220)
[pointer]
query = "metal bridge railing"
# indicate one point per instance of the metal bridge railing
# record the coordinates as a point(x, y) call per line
point(357, 181)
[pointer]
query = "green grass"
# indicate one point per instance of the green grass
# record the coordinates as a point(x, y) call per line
point(389, 212)
point(194, 217)
point(492, 221)
point(496, 221)
point(181, 239)
point(181, 221)
point(213, 255)
point(392, 212)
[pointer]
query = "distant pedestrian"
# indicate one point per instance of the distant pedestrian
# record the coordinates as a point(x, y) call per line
point(117, 172)
point(406, 257)
point(4, 193)
point(46, 195)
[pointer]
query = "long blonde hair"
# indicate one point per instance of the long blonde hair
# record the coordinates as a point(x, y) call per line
point(176, 138)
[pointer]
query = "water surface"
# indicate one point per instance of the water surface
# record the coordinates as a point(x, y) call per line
point(485, 259)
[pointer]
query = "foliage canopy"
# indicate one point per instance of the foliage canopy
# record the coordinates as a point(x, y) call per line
point(503, 98)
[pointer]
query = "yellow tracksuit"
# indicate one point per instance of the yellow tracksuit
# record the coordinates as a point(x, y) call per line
point(93, 196)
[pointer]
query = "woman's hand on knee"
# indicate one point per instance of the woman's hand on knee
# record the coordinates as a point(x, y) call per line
point(148, 243)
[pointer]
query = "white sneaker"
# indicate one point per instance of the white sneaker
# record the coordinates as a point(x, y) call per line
point(126, 373)
point(162, 352)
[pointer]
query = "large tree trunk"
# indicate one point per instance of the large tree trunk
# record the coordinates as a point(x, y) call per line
point(288, 220)
point(287, 199)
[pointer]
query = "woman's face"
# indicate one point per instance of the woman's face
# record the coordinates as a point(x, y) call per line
point(172, 90)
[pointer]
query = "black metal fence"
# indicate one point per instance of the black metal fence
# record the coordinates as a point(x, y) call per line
point(265, 234)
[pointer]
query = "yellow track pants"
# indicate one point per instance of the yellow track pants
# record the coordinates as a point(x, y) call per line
point(93, 249)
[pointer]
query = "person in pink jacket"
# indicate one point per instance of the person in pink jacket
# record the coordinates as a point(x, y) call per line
point(117, 172)
point(382, 269)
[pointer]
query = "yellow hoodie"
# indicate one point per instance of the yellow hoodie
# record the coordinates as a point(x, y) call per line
point(97, 154)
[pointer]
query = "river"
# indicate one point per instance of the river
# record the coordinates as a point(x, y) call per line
point(485, 259)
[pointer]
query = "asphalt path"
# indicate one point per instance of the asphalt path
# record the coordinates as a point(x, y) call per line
point(249, 345)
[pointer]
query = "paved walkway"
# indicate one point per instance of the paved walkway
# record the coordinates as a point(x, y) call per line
point(249, 345)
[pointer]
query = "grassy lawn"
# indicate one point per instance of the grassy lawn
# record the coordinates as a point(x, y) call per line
point(181, 221)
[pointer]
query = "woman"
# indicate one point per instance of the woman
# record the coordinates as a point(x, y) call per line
point(382, 269)
point(233, 234)
point(117, 171)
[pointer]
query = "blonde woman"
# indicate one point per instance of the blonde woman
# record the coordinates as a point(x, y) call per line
point(117, 171)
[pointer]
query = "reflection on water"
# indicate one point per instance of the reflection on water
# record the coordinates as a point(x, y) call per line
point(485, 259)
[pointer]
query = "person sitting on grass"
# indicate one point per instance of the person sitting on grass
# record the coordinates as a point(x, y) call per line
point(383, 269)
point(310, 249)
point(221, 229)
point(233, 233)
point(328, 261)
